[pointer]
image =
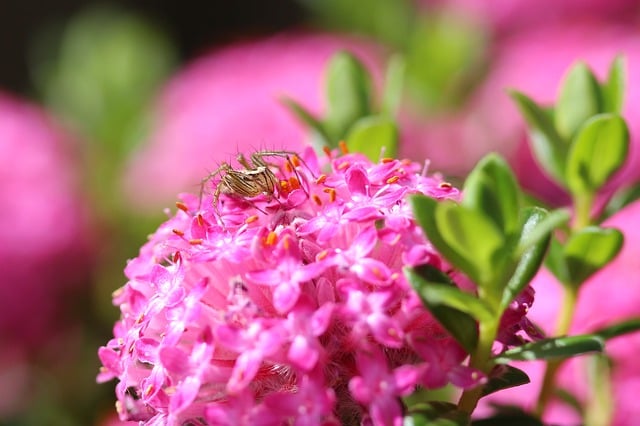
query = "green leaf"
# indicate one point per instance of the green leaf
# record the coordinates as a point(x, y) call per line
point(474, 237)
point(555, 261)
point(623, 197)
point(599, 150)
point(613, 89)
point(443, 294)
point(436, 413)
point(579, 100)
point(536, 231)
point(491, 188)
point(549, 147)
point(588, 250)
point(554, 348)
point(348, 94)
point(374, 136)
point(531, 259)
point(388, 21)
point(310, 121)
point(459, 324)
point(629, 326)
point(444, 57)
point(504, 377)
point(393, 85)
point(424, 211)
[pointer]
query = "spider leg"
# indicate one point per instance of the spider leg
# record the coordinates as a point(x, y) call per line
point(224, 167)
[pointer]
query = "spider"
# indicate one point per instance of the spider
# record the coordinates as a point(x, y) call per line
point(256, 178)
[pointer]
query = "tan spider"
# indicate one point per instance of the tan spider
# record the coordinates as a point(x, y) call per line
point(256, 178)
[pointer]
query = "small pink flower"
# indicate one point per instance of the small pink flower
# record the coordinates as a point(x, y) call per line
point(228, 101)
point(248, 313)
point(44, 240)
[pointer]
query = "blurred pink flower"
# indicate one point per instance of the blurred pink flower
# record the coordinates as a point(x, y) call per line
point(534, 63)
point(289, 307)
point(227, 102)
point(510, 16)
point(611, 295)
point(44, 240)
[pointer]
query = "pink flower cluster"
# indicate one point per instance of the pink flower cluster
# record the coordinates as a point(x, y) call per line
point(289, 307)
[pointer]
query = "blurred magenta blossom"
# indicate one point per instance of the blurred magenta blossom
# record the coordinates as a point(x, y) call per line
point(44, 242)
point(228, 101)
point(527, 63)
point(611, 295)
point(287, 307)
point(510, 16)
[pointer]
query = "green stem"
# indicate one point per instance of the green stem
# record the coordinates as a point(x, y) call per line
point(562, 329)
point(583, 204)
point(480, 360)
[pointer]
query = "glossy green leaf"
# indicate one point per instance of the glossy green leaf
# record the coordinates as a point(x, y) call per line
point(534, 231)
point(393, 85)
point(436, 413)
point(348, 94)
point(424, 211)
point(549, 147)
point(491, 188)
point(374, 136)
point(310, 121)
point(504, 377)
point(599, 150)
point(614, 87)
point(531, 259)
point(554, 348)
point(579, 100)
point(474, 237)
point(461, 325)
point(629, 326)
point(588, 250)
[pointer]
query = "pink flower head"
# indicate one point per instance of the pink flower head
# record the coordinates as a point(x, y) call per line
point(229, 101)
point(248, 312)
point(44, 240)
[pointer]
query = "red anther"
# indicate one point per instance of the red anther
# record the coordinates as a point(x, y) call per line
point(343, 165)
point(287, 167)
point(195, 241)
point(251, 219)
point(200, 220)
point(182, 206)
point(343, 147)
point(393, 179)
point(177, 257)
point(295, 161)
point(316, 199)
point(323, 254)
point(445, 185)
point(178, 232)
point(332, 194)
point(294, 183)
point(321, 179)
point(387, 160)
point(271, 239)
point(327, 151)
